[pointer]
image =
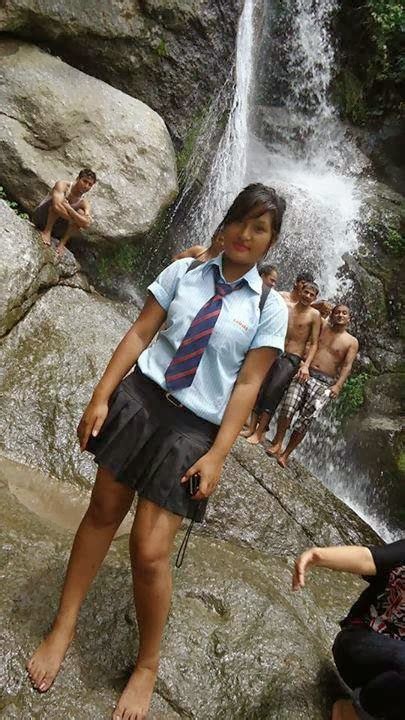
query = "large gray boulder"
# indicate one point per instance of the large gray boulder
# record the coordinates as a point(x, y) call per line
point(172, 54)
point(28, 268)
point(56, 120)
point(52, 359)
point(239, 644)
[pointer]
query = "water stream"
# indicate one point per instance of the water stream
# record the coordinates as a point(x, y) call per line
point(294, 141)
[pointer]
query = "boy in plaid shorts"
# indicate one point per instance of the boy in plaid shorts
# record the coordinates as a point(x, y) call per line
point(328, 372)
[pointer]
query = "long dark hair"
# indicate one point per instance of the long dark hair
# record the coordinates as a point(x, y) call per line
point(254, 200)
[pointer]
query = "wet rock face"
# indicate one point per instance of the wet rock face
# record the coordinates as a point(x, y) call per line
point(28, 268)
point(171, 54)
point(56, 120)
point(238, 644)
point(53, 359)
point(378, 296)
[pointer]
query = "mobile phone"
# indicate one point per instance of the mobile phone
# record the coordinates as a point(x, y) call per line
point(193, 484)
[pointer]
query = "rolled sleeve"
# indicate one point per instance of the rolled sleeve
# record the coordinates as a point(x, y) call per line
point(273, 324)
point(164, 287)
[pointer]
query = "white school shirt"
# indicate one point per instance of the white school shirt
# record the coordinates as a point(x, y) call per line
point(240, 328)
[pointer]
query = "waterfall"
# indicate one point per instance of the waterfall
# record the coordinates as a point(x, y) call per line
point(228, 169)
point(282, 130)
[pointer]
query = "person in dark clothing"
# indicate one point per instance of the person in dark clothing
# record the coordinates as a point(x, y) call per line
point(369, 650)
point(304, 324)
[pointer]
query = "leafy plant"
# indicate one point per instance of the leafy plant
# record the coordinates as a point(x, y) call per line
point(352, 396)
point(13, 204)
point(394, 243)
point(161, 49)
point(371, 80)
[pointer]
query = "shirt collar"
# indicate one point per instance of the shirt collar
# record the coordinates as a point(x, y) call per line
point(252, 277)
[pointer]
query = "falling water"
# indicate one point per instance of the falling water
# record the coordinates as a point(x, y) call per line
point(227, 174)
point(295, 142)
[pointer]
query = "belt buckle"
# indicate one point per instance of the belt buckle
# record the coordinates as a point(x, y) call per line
point(171, 399)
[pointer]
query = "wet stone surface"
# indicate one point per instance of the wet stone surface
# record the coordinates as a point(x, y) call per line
point(239, 644)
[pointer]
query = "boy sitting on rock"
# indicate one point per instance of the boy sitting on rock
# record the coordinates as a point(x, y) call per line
point(65, 210)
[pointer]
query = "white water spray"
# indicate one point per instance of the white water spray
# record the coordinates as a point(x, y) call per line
point(228, 169)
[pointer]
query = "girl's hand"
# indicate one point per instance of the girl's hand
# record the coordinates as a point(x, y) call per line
point(209, 468)
point(301, 565)
point(92, 420)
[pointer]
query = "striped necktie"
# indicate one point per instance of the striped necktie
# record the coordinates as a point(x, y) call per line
point(183, 367)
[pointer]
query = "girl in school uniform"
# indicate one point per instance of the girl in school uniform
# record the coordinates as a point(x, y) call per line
point(175, 417)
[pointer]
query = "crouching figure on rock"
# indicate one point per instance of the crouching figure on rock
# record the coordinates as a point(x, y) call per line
point(65, 210)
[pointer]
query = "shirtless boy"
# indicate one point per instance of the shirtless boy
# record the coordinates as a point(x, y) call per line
point(293, 295)
point(328, 372)
point(65, 210)
point(269, 275)
point(304, 324)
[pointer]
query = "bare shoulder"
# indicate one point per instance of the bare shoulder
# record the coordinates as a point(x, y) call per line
point(61, 185)
point(196, 250)
point(353, 342)
point(284, 294)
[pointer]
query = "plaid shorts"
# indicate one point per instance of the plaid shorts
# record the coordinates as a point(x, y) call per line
point(307, 399)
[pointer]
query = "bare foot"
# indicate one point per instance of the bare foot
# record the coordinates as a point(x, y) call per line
point(245, 433)
point(46, 238)
point(254, 439)
point(44, 665)
point(273, 450)
point(344, 710)
point(282, 460)
point(60, 250)
point(135, 700)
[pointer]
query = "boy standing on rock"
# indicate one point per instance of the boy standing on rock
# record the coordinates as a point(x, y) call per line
point(65, 210)
point(336, 353)
point(304, 326)
point(293, 296)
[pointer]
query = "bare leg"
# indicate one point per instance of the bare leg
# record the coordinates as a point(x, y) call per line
point(295, 440)
point(344, 710)
point(251, 427)
point(282, 427)
point(70, 230)
point(151, 544)
point(50, 222)
point(110, 502)
point(257, 436)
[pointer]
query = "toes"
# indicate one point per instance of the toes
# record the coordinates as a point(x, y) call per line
point(45, 683)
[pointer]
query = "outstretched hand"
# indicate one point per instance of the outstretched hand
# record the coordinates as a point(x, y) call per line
point(209, 468)
point(301, 565)
point(91, 421)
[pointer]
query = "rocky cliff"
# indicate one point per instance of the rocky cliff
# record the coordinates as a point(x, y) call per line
point(172, 54)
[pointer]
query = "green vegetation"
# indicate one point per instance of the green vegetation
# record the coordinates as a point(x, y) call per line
point(123, 259)
point(13, 204)
point(394, 243)
point(371, 80)
point(161, 49)
point(189, 142)
point(352, 396)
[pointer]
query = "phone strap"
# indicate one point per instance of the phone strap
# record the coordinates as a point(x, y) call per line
point(183, 547)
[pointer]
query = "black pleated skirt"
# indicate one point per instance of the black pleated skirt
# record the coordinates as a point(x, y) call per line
point(148, 444)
